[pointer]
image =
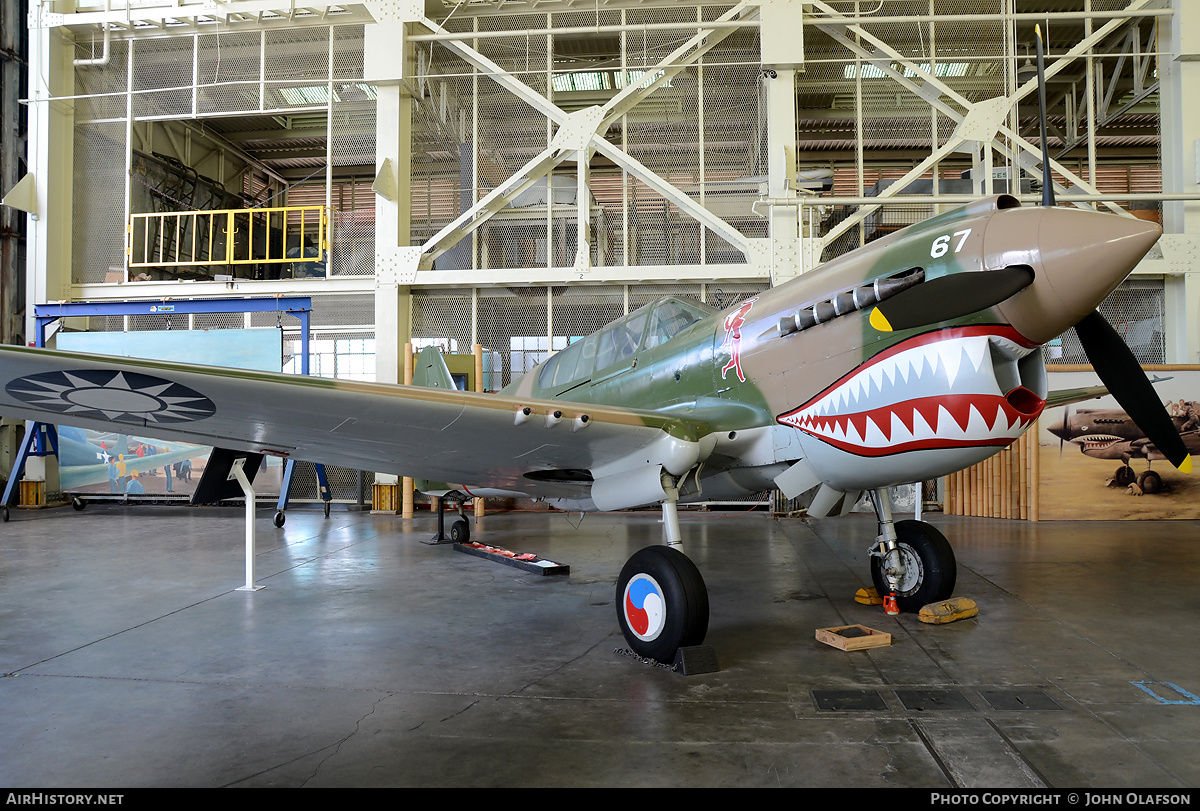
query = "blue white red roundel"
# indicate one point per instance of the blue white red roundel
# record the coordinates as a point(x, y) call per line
point(644, 606)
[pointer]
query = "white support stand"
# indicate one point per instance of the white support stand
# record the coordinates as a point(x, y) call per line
point(237, 473)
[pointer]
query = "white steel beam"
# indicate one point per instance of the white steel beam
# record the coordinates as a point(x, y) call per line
point(549, 158)
point(939, 94)
point(709, 36)
point(496, 199)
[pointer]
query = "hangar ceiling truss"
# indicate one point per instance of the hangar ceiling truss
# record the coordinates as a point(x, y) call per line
point(582, 132)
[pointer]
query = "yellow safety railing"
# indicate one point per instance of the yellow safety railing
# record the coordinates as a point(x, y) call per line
point(238, 236)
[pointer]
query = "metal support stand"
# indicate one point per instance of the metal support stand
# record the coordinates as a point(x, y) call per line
point(41, 439)
point(441, 524)
point(285, 488)
point(237, 473)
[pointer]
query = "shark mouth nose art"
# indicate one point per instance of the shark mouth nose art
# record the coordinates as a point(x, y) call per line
point(933, 391)
point(1096, 442)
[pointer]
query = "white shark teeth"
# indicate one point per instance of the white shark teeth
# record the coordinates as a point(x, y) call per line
point(931, 367)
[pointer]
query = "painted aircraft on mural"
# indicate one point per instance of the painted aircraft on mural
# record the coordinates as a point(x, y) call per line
point(1106, 433)
point(910, 358)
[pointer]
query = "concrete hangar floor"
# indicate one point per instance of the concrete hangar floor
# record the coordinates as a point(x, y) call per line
point(128, 658)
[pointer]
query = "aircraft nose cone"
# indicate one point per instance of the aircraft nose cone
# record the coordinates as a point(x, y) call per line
point(1078, 259)
point(1061, 431)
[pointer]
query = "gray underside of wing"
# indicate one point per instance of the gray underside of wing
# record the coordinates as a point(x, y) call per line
point(457, 437)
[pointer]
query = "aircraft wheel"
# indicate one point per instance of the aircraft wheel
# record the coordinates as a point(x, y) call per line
point(77, 503)
point(929, 567)
point(460, 531)
point(662, 603)
point(279, 519)
point(1124, 476)
point(1150, 482)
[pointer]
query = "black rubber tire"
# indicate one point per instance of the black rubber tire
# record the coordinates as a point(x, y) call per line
point(279, 519)
point(1124, 476)
point(4, 514)
point(460, 531)
point(934, 581)
point(679, 614)
point(78, 504)
point(326, 509)
point(1150, 482)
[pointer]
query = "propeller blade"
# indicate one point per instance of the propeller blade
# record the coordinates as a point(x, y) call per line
point(1047, 175)
point(1066, 428)
point(1119, 370)
point(948, 297)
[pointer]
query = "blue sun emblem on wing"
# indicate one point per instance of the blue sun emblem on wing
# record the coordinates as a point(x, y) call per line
point(114, 396)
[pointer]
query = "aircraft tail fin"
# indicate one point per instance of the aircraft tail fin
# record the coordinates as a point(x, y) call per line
point(431, 371)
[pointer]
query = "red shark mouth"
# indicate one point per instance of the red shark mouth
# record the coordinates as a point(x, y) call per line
point(932, 391)
point(1096, 442)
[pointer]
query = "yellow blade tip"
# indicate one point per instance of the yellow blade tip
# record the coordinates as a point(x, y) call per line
point(1186, 465)
point(879, 321)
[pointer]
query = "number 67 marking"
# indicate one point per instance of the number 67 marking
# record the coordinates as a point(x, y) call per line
point(941, 245)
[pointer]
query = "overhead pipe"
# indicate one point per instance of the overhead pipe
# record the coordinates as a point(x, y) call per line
point(103, 58)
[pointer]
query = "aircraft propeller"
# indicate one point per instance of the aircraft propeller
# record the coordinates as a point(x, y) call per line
point(958, 294)
point(1121, 373)
point(1109, 355)
point(1065, 430)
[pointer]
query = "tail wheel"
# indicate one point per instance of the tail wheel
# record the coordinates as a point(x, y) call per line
point(662, 603)
point(929, 567)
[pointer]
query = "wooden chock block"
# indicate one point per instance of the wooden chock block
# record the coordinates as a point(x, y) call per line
point(853, 637)
point(952, 610)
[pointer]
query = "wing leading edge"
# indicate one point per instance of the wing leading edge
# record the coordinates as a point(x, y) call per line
point(461, 437)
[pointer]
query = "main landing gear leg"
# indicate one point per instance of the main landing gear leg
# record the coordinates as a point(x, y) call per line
point(670, 517)
point(886, 549)
point(662, 602)
point(911, 562)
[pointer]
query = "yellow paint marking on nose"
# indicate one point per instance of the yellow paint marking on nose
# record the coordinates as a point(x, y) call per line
point(879, 321)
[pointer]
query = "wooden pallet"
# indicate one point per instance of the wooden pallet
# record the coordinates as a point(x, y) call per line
point(853, 637)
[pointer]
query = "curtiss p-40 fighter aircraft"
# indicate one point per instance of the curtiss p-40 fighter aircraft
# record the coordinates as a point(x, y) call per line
point(910, 358)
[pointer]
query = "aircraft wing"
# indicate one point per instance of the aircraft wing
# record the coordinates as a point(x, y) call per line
point(460, 437)
point(1068, 396)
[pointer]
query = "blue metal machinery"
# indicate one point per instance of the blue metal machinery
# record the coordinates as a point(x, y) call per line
point(42, 440)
